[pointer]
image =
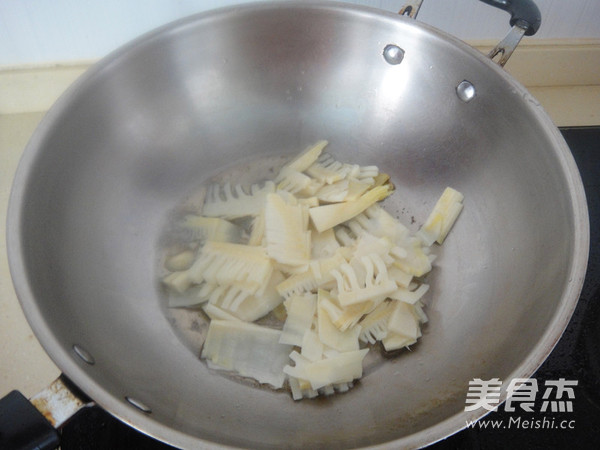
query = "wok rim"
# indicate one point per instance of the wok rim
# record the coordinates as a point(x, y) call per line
point(75, 370)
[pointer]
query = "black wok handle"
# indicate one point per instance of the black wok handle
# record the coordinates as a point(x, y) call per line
point(32, 424)
point(525, 19)
point(23, 427)
point(523, 13)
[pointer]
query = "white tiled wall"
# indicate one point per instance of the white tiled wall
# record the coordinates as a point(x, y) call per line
point(38, 31)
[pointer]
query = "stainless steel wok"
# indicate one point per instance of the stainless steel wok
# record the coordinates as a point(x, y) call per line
point(121, 150)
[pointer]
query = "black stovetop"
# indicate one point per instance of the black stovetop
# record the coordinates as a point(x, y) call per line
point(575, 357)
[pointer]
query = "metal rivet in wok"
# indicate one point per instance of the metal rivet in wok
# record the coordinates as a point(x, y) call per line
point(138, 404)
point(83, 354)
point(466, 91)
point(393, 54)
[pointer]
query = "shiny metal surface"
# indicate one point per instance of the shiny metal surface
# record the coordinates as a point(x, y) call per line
point(466, 91)
point(393, 54)
point(128, 142)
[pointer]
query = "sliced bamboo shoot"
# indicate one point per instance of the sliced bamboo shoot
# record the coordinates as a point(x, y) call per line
point(328, 216)
point(248, 349)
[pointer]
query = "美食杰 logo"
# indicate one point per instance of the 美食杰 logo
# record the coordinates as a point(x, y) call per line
point(523, 395)
point(557, 395)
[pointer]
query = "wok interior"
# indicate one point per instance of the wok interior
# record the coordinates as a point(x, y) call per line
point(118, 154)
